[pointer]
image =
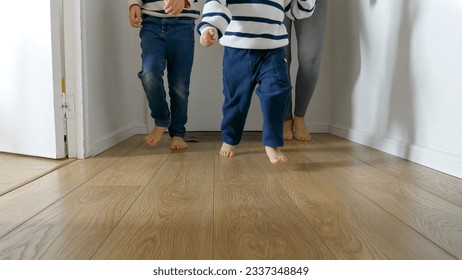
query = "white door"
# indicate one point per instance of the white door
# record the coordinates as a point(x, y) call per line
point(31, 118)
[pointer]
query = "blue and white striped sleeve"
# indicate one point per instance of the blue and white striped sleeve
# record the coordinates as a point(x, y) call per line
point(299, 9)
point(215, 14)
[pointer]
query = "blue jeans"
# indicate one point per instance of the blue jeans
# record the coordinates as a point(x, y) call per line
point(243, 71)
point(167, 44)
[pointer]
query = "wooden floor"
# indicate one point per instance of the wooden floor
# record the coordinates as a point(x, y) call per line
point(334, 199)
point(18, 170)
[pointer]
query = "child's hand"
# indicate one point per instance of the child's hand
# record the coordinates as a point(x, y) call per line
point(135, 16)
point(174, 7)
point(209, 37)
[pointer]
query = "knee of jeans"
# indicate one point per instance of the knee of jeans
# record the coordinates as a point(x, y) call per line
point(150, 79)
point(180, 91)
point(283, 89)
point(281, 93)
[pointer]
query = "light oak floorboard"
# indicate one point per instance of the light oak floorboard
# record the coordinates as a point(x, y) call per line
point(433, 217)
point(445, 186)
point(334, 199)
point(173, 217)
point(352, 226)
point(76, 225)
point(18, 170)
point(254, 216)
point(20, 205)
point(430, 215)
point(24, 203)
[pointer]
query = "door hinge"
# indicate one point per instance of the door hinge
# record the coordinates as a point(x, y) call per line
point(68, 107)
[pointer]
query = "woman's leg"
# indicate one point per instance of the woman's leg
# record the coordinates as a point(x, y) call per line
point(310, 34)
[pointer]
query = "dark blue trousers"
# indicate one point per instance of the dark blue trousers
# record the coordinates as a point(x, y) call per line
point(167, 44)
point(243, 72)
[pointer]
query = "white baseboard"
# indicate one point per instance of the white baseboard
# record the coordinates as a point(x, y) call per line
point(312, 128)
point(109, 140)
point(442, 161)
point(318, 128)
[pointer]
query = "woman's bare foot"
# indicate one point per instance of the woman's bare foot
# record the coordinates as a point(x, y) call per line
point(178, 143)
point(275, 155)
point(155, 136)
point(289, 130)
point(227, 150)
point(301, 133)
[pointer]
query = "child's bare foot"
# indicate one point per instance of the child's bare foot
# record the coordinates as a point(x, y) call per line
point(289, 130)
point(227, 150)
point(178, 143)
point(301, 133)
point(155, 136)
point(275, 155)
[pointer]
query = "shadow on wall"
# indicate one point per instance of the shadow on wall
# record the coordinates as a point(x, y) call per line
point(401, 107)
point(389, 82)
point(347, 60)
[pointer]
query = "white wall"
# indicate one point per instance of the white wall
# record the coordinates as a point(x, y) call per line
point(113, 105)
point(397, 78)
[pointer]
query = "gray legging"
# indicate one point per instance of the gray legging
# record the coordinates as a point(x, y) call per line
point(310, 37)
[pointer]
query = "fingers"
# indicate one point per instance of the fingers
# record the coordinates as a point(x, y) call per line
point(209, 37)
point(135, 17)
point(174, 7)
point(213, 33)
point(136, 23)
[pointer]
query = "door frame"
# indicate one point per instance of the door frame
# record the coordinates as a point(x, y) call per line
point(74, 93)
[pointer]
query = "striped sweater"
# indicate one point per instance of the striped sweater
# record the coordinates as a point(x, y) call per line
point(156, 8)
point(253, 24)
